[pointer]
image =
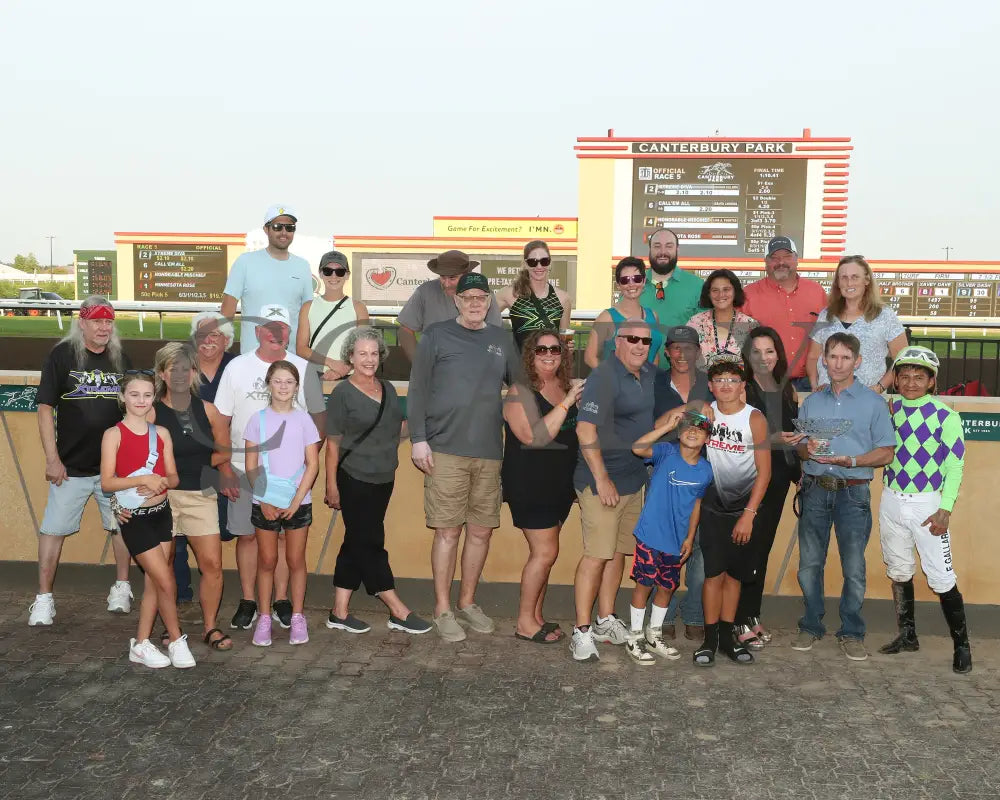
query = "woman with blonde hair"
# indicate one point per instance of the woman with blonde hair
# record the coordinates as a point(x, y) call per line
point(855, 307)
point(534, 303)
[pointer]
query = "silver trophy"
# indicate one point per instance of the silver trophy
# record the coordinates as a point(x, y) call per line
point(821, 430)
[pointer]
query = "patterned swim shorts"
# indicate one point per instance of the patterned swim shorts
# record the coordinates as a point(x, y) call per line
point(653, 568)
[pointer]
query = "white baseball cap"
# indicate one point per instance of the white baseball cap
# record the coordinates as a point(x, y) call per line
point(279, 211)
point(274, 313)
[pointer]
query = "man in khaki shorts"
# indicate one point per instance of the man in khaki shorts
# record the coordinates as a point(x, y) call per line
point(616, 409)
point(456, 429)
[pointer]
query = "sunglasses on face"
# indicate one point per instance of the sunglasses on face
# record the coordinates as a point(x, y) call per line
point(340, 272)
point(551, 349)
point(632, 339)
point(534, 262)
point(625, 280)
point(147, 372)
point(701, 425)
point(283, 226)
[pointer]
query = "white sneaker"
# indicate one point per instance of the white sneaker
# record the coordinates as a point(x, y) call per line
point(611, 631)
point(655, 644)
point(42, 610)
point(635, 646)
point(180, 653)
point(145, 653)
point(120, 597)
point(582, 645)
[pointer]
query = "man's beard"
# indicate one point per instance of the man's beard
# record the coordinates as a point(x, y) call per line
point(661, 268)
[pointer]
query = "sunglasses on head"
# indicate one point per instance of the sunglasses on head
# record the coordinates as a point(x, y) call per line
point(697, 421)
point(146, 372)
point(534, 262)
point(633, 339)
point(340, 272)
point(283, 226)
point(625, 280)
point(551, 349)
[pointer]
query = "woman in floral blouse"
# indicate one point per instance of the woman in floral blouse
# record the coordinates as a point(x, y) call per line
point(723, 328)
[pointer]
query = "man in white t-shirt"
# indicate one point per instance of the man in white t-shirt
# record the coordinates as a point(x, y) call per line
point(242, 393)
point(272, 275)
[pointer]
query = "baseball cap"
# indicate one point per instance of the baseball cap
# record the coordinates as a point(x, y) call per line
point(274, 313)
point(682, 334)
point(334, 257)
point(781, 243)
point(279, 211)
point(472, 280)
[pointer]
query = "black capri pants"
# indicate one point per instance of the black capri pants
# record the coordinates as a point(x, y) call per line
point(363, 557)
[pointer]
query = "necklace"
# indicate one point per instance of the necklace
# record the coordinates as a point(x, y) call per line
point(376, 395)
point(724, 347)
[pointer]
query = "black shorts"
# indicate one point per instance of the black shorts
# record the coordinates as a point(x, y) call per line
point(721, 553)
point(300, 519)
point(148, 528)
point(540, 518)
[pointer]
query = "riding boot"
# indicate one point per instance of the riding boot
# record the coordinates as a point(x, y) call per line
point(902, 598)
point(954, 612)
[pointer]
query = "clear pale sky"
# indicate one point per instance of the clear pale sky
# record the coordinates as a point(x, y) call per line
point(370, 118)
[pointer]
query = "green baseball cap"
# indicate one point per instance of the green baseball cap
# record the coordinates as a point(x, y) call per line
point(472, 280)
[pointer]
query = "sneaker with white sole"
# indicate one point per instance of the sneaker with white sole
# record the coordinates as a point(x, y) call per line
point(262, 631)
point(300, 630)
point(42, 610)
point(803, 642)
point(120, 597)
point(474, 617)
point(635, 646)
point(582, 645)
point(180, 653)
point(656, 645)
point(350, 623)
point(411, 624)
point(611, 631)
point(854, 649)
point(146, 653)
point(448, 627)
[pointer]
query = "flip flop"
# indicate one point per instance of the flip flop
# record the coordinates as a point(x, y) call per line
point(552, 627)
point(538, 638)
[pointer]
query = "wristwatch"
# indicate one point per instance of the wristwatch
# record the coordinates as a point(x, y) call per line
point(854, 461)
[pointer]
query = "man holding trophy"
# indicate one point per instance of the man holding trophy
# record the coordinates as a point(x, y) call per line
point(844, 431)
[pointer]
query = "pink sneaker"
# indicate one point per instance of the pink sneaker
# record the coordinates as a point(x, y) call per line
point(262, 633)
point(299, 634)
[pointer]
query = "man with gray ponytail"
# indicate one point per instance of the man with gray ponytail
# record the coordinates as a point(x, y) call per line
point(77, 402)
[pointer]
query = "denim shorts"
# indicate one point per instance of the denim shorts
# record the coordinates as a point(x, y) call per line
point(300, 519)
point(66, 502)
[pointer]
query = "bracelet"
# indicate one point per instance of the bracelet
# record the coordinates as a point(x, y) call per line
point(751, 510)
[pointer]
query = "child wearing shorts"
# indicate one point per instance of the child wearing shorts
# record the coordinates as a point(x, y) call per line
point(665, 532)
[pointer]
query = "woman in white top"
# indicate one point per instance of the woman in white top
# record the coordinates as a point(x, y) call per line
point(855, 308)
point(325, 322)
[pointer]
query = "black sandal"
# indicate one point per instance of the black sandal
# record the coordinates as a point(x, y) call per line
point(738, 653)
point(218, 644)
point(704, 657)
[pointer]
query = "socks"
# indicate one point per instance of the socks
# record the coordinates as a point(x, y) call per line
point(603, 620)
point(656, 616)
point(712, 636)
point(636, 616)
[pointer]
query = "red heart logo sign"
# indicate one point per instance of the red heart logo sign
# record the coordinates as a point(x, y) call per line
point(381, 277)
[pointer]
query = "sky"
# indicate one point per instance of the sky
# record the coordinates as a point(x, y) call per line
point(371, 118)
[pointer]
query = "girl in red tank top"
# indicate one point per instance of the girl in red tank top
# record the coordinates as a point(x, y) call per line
point(146, 523)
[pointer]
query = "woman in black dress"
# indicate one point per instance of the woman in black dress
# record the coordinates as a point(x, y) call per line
point(540, 452)
point(771, 392)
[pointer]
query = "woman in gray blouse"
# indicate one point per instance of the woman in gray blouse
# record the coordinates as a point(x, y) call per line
point(364, 425)
point(855, 308)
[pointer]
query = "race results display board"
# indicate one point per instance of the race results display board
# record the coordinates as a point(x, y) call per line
point(179, 272)
point(719, 208)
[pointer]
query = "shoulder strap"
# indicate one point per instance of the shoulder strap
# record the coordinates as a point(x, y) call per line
point(326, 319)
point(363, 436)
point(153, 456)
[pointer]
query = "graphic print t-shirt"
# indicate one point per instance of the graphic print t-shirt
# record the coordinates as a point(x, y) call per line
point(86, 404)
point(730, 451)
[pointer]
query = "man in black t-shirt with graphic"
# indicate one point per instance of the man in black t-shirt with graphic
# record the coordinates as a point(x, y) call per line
point(77, 401)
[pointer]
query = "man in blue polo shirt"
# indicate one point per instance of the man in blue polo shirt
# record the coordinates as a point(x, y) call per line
point(835, 490)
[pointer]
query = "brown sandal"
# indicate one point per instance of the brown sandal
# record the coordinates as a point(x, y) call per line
point(224, 642)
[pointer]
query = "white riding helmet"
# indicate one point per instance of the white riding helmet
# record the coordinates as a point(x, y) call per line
point(913, 355)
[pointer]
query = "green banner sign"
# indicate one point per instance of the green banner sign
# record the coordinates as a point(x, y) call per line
point(17, 398)
point(984, 427)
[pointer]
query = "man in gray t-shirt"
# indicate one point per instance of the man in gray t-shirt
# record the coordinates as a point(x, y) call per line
point(456, 422)
point(434, 300)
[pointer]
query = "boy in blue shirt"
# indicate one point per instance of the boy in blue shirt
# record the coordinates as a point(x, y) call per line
point(665, 532)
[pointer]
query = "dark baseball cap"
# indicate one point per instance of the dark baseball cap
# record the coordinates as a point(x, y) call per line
point(334, 257)
point(781, 243)
point(682, 334)
point(472, 280)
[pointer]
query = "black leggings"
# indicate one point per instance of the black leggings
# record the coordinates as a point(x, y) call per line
point(764, 530)
point(362, 557)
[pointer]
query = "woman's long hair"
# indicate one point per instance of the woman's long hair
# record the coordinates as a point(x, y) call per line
point(74, 337)
point(780, 368)
point(522, 283)
point(528, 360)
point(166, 357)
point(871, 302)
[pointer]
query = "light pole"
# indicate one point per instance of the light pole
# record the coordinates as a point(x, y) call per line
point(50, 238)
point(947, 253)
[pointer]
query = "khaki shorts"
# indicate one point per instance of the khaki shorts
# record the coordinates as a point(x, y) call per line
point(462, 490)
point(607, 531)
point(194, 513)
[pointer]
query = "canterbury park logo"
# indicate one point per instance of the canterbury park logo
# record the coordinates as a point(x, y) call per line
point(719, 172)
point(380, 277)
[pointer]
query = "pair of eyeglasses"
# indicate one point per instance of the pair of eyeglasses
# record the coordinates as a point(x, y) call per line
point(535, 262)
point(340, 272)
point(632, 339)
point(283, 226)
point(147, 372)
point(625, 280)
point(551, 349)
point(474, 298)
point(725, 381)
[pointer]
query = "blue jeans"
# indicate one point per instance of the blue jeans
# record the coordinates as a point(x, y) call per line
point(849, 510)
point(694, 577)
point(182, 571)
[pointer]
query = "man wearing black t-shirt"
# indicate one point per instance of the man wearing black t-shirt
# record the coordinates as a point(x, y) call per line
point(77, 401)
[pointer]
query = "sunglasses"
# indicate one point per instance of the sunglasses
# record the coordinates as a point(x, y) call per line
point(725, 381)
point(146, 372)
point(701, 424)
point(283, 226)
point(625, 280)
point(551, 349)
point(340, 272)
point(534, 262)
point(660, 294)
point(633, 339)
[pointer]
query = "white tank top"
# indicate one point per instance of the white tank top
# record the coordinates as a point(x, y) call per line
point(334, 332)
point(731, 454)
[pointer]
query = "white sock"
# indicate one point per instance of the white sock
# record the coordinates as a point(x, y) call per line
point(656, 616)
point(40, 596)
point(122, 583)
point(602, 620)
point(637, 616)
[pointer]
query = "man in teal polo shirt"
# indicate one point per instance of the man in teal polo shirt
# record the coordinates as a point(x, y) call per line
point(670, 291)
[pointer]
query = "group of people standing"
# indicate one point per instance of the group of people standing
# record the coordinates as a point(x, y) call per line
point(672, 464)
